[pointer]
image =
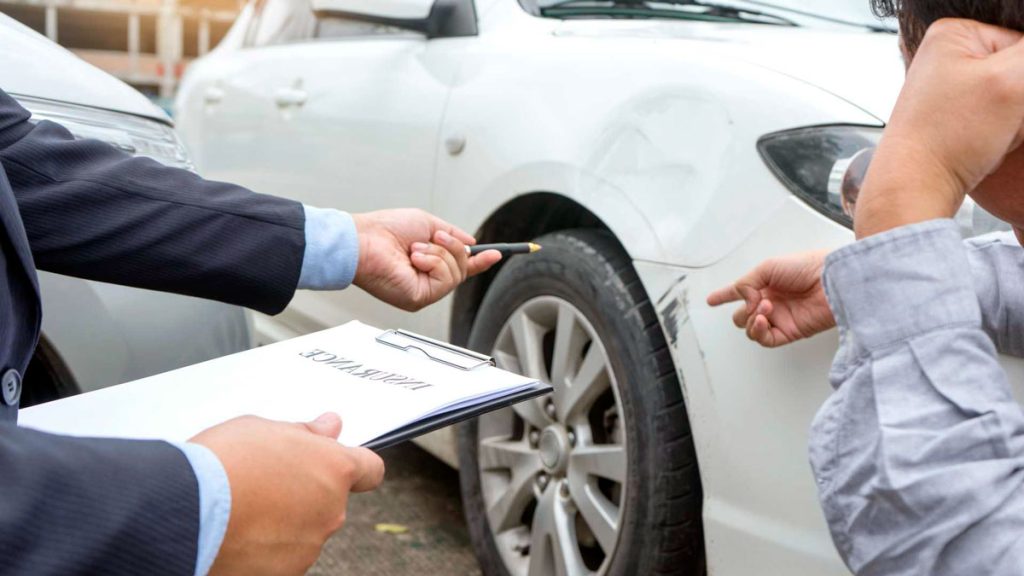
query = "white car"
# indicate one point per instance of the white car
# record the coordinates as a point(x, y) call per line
point(657, 150)
point(96, 334)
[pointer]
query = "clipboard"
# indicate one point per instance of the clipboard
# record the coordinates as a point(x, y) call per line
point(388, 386)
point(440, 352)
point(455, 357)
point(428, 425)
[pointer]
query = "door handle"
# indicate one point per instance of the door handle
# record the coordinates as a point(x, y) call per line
point(213, 95)
point(289, 97)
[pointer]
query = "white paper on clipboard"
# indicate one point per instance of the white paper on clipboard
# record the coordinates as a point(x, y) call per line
point(376, 388)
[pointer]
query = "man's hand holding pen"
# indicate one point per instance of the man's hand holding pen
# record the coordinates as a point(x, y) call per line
point(411, 259)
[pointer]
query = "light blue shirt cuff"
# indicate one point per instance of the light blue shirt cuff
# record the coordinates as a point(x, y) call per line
point(332, 250)
point(214, 502)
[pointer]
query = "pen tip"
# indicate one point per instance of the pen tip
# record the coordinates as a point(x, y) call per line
point(534, 247)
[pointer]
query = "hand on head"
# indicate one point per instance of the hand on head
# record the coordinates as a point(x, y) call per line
point(959, 115)
point(289, 489)
point(410, 259)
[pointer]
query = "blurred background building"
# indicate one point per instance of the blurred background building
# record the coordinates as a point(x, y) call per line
point(146, 43)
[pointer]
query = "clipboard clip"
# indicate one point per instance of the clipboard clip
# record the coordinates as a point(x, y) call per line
point(440, 352)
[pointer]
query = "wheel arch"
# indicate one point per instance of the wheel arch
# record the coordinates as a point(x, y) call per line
point(525, 216)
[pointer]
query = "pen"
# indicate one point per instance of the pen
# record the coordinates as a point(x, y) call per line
point(506, 249)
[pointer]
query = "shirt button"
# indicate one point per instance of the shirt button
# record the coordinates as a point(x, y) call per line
point(10, 384)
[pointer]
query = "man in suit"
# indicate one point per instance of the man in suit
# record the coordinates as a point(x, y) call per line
point(249, 496)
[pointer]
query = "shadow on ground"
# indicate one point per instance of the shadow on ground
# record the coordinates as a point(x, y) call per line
point(420, 493)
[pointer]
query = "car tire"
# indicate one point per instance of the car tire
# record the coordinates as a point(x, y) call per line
point(516, 460)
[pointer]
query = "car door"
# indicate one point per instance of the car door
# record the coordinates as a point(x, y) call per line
point(334, 112)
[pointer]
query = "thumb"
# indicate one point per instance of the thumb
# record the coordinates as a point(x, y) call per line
point(327, 425)
point(750, 295)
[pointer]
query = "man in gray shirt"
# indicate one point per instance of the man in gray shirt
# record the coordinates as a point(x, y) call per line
point(919, 453)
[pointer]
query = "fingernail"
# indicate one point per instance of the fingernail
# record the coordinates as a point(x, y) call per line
point(444, 236)
point(419, 247)
point(326, 417)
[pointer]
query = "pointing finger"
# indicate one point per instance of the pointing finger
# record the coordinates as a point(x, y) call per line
point(724, 296)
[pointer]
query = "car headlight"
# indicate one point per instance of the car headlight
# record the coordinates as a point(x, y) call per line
point(825, 167)
point(133, 134)
point(803, 160)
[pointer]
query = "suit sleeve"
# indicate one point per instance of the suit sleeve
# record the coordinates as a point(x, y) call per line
point(94, 212)
point(87, 506)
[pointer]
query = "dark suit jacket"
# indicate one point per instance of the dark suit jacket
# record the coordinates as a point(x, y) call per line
point(85, 506)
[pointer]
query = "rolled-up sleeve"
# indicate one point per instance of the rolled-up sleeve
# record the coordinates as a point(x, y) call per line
point(918, 453)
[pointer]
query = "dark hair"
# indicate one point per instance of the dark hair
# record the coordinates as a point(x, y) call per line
point(915, 16)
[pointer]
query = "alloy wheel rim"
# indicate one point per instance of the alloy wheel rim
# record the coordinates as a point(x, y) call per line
point(553, 470)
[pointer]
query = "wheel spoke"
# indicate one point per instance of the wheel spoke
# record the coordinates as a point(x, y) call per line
point(532, 412)
point(601, 515)
point(502, 454)
point(568, 561)
point(507, 511)
point(604, 460)
point(507, 361)
point(590, 381)
point(554, 549)
point(542, 562)
point(569, 341)
point(527, 338)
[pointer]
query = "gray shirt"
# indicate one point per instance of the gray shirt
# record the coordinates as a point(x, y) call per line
point(919, 453)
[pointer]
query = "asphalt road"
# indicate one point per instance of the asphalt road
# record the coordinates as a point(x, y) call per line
point(420, 494)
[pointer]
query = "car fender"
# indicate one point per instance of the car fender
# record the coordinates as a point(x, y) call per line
point(666, 156)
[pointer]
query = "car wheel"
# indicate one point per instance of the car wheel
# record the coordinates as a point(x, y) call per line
point(601, 476)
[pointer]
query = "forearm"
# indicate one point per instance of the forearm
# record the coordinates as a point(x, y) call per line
point(918, 454)
point(94, 212)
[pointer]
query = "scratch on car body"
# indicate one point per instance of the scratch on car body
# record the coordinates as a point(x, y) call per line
point(672, 308)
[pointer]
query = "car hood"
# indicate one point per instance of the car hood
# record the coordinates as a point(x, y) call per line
point(34, 66)
point(862, 67)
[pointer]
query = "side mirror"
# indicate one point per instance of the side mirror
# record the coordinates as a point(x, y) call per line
point(432, 18)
